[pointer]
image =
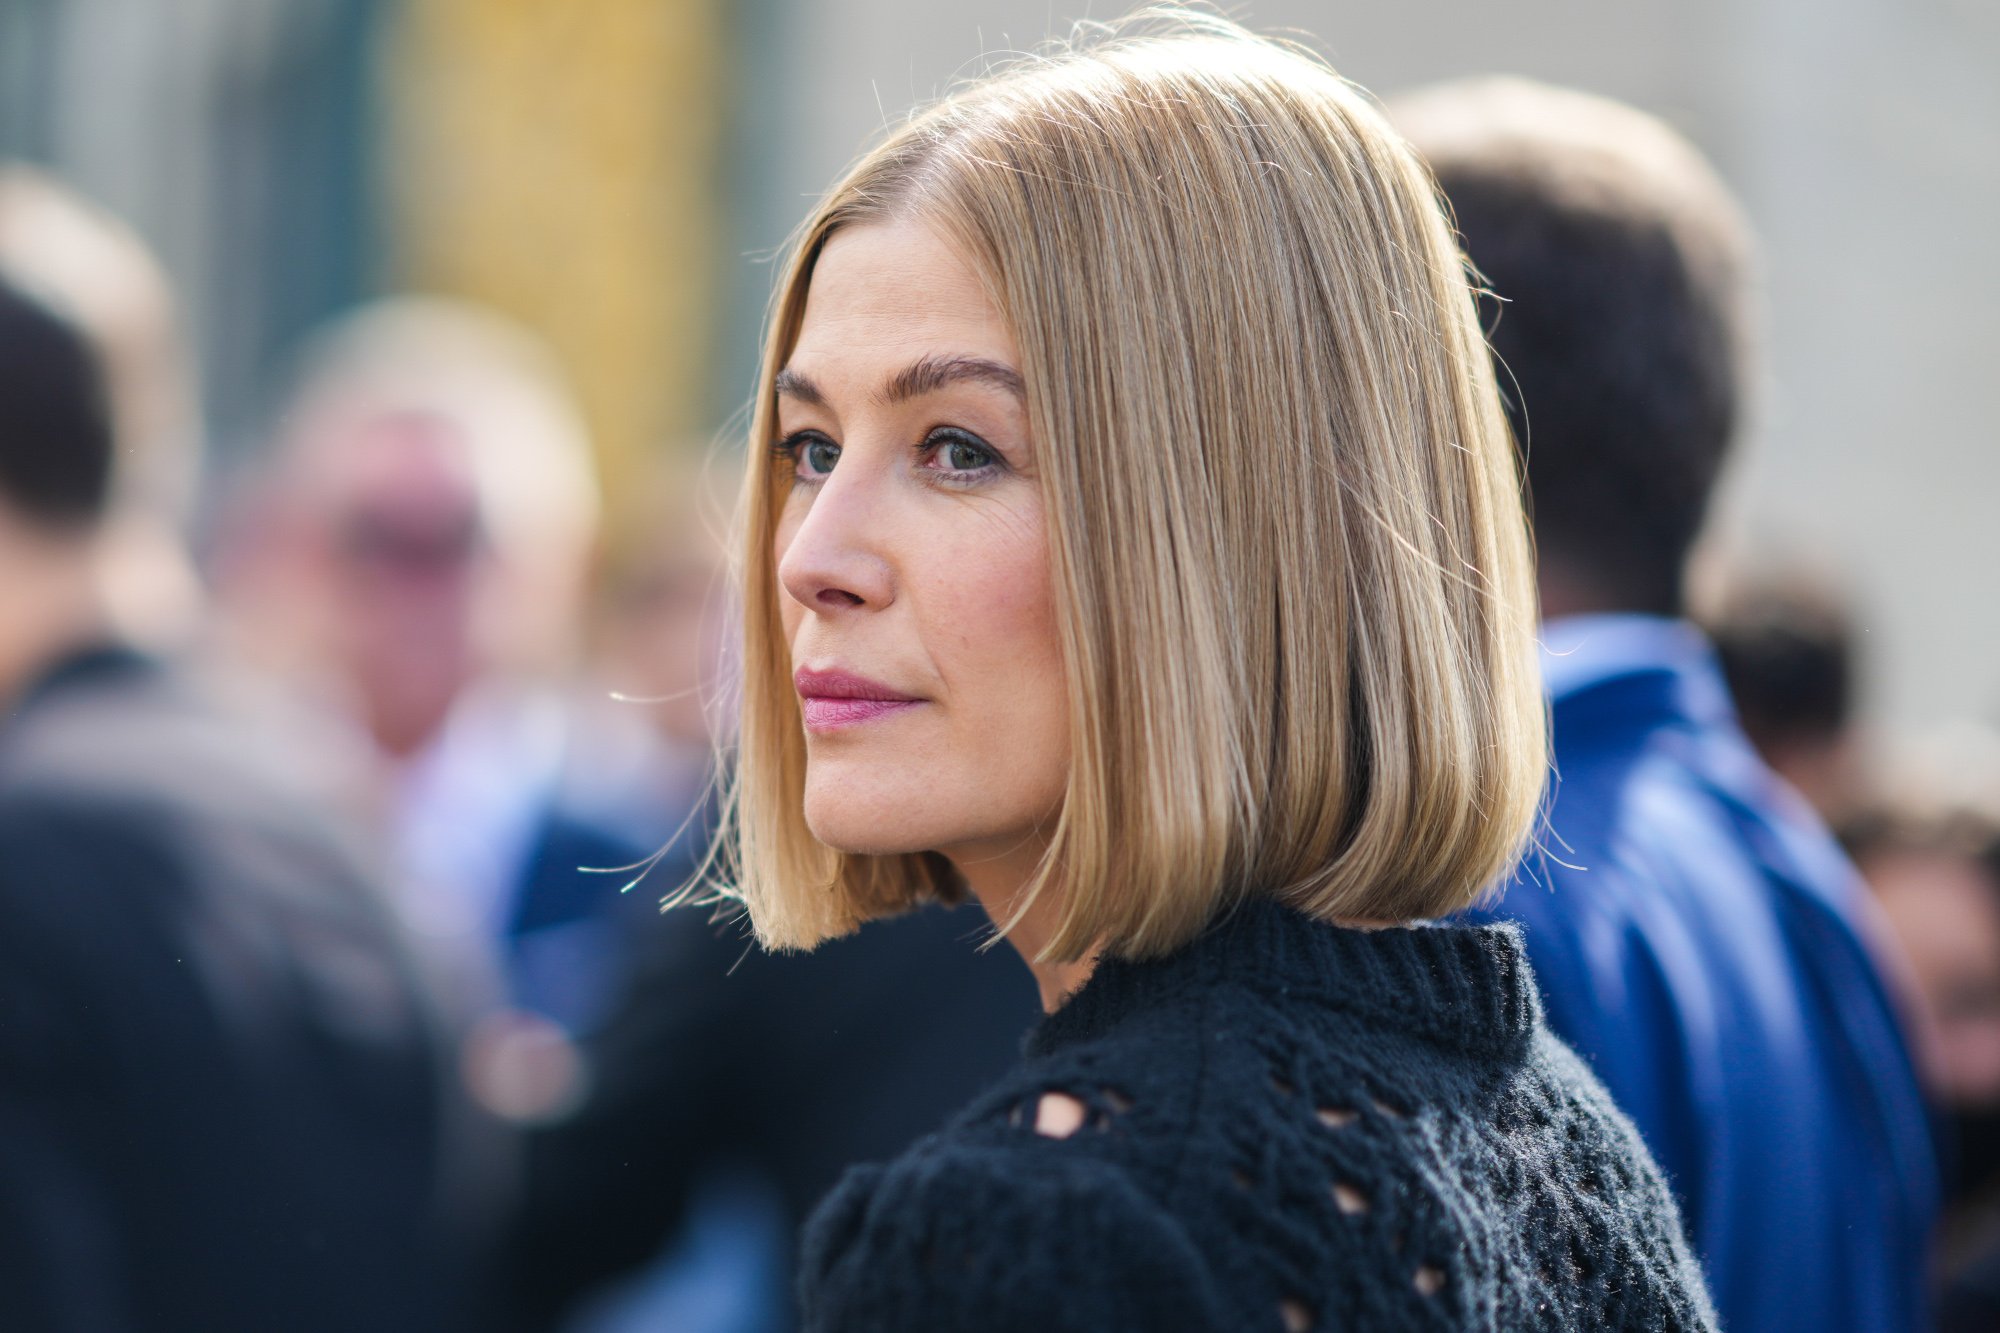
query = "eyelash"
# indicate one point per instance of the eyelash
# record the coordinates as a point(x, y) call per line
point(791, 446)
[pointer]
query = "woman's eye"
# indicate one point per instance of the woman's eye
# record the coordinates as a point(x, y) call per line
point(953, 451)
point(819, 456)
point(812, 456)
point(965, 456)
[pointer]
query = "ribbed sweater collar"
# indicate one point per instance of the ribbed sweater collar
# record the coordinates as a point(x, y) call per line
point(1467, 986)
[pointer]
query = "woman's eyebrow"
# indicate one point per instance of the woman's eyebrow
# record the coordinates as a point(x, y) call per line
point(932, 373)
point(789, 383)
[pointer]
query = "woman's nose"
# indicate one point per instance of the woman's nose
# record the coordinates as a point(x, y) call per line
point(838, 557)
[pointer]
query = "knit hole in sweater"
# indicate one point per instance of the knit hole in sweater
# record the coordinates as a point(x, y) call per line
point(1389, 1108)
point(1349, 1199)
point(1282, 1086)
point(1429, 1280)
point(1337, 1117)
point(1581, 1267)
point(1298, 1316)
point(1058, 1115)
point(1117, 1101)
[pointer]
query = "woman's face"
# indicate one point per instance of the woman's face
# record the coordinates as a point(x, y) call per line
point(913, 558)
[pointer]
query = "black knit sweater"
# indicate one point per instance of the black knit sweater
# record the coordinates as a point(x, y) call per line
point(1290, 1126)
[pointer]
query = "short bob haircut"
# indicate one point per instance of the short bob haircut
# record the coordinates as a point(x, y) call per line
point(1289, 557)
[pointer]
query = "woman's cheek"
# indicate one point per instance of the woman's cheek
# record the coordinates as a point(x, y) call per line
point(996, 627)
point(996, 580)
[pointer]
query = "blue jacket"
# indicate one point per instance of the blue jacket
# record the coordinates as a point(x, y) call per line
point(1696, 936)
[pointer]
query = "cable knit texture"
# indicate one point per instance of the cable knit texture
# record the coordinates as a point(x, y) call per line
point(1288, 1126)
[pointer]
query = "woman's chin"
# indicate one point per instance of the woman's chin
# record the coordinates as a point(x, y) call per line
point(860, 832)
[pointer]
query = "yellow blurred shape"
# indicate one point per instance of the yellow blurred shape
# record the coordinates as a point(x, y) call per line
point(557, 160)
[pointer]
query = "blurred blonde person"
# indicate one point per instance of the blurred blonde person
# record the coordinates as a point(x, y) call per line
point(413, 560)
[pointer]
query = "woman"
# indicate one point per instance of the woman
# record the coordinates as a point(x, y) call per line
point(1137, 547)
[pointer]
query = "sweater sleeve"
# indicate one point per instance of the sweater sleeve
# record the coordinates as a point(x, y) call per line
point(1031, 1238)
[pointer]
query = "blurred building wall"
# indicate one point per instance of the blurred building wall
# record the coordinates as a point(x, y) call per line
point(1864, 137)
point(234, 135)
point(291, 158)
point(559, 162)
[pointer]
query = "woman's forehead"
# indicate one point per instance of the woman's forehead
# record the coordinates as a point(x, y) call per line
point(890, 300)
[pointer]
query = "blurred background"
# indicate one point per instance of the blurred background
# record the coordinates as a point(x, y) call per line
point(616, 173)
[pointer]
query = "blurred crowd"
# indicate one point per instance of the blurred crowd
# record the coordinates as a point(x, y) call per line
point(336, 812)
point(383, 798)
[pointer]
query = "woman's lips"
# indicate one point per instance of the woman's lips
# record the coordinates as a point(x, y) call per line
point(826, 714)
point(834, 699)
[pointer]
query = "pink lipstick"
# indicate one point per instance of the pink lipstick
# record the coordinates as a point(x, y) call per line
point(833, 699)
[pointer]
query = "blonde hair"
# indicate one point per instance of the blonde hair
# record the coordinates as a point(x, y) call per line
point(1291, 569)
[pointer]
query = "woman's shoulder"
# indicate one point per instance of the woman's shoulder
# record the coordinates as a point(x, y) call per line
point(1001, 1227)
point(1227, 1152)
point(1057, 1200)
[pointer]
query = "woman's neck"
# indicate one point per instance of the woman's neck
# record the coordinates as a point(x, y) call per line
point(997, 881)
point(1056, 981)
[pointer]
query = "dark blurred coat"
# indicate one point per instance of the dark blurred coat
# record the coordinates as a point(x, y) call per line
point(797, 1065)
point(222, 1101)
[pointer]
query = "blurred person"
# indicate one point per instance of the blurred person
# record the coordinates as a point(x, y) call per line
point(1933, 871)
point(1133, 544)
point(1932, 859)
point(222, 1097)
point(90, 268)
point(1786, 644)
point(412, 561)
point(658, 630)
point(1697, 935)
